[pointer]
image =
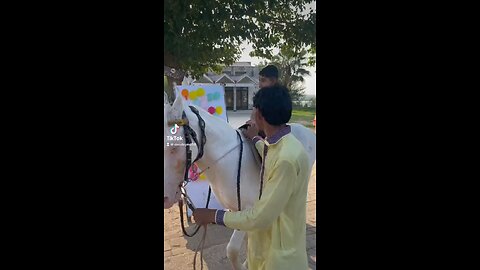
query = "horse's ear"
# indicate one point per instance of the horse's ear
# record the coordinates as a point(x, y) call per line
point(177, 108)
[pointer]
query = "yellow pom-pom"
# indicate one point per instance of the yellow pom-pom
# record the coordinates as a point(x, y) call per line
point(193, 95)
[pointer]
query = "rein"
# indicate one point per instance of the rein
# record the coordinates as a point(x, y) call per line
point(215, 162)
point(189, 136)
point(239, 169)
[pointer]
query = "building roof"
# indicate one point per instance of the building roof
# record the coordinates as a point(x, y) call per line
point(214, 77)
point(211, 77)
point(245, 79)
point(224, 78)
point(204, 79)
point(236, 64)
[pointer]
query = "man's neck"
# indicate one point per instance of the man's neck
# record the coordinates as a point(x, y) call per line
point(271, 130)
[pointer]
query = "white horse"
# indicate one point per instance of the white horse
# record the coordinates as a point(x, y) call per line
point(223, 163)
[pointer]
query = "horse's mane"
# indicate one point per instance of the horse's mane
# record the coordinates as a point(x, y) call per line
point(165, 98)
point(168, 106)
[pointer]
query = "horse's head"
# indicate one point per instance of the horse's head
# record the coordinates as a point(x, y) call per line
point(174, 156)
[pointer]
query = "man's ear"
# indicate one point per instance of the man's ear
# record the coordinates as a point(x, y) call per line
point(259, 115)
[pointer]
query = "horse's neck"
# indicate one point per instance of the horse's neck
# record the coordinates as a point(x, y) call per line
point(221, 137)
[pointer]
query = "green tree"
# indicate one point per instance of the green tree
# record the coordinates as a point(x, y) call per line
point(292, 69)
point(203, 35)
point(297, 91)
point(292, 64)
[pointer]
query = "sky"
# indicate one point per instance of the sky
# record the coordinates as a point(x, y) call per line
point(310, 81)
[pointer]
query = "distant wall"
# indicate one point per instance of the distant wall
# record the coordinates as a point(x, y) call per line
point(303, 103)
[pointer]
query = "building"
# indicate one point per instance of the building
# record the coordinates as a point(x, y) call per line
point(240, 81)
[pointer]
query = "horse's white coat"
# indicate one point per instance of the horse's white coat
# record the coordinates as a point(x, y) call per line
point(221, 138)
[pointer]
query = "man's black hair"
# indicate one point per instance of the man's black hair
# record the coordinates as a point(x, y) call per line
point(269, 71)
point(274, 103)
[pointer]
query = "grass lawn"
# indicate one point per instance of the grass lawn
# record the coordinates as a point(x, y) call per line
point(303, 116)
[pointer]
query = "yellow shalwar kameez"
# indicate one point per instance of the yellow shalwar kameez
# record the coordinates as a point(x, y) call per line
point(276, 225)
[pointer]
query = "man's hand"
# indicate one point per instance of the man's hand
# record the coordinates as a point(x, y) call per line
point(251, 130)
point(203, 216)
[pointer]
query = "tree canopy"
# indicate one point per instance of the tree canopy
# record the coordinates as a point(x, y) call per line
point(292, 65)
point(203, 35)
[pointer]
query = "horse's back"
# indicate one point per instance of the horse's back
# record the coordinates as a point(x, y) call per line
point(306, 137)
point(308, 140)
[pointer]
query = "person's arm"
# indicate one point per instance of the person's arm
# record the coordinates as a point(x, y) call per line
point(277, 191)
point(251, 132)
point(259, 145)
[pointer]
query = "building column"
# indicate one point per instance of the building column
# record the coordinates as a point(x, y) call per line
point(234, 98)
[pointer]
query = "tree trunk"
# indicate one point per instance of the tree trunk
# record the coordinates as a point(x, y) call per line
point(174, 75)
point(170, 85)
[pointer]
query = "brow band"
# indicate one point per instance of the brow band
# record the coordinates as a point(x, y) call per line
point(180, 122)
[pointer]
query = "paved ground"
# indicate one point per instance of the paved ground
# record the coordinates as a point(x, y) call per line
point(238, 118)
point(179, 250)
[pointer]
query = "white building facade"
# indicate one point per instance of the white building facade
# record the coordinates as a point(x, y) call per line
point(240, 81)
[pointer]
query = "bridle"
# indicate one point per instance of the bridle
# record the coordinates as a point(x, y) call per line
point(190, 135)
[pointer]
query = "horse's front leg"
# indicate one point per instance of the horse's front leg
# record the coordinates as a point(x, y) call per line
point(233, 249)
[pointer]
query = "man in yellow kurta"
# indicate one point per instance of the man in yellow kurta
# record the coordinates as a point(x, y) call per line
point(276, 224)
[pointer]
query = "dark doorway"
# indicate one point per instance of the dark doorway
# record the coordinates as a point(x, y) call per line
point(242, 98)
point(229, 98)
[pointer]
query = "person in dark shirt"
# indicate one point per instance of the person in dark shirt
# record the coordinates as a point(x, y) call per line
point(268, 77)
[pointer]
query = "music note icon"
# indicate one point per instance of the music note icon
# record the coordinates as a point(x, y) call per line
point(174, 129)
